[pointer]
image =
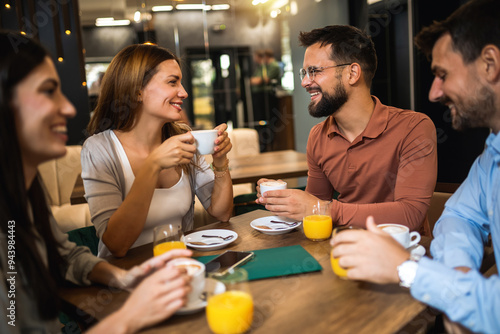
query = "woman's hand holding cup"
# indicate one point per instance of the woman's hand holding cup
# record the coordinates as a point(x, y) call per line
point(176, 150)
point(222, 144)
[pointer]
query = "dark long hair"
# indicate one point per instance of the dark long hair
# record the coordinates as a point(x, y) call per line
point(19, 55)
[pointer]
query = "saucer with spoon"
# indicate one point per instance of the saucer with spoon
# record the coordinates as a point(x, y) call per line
point(208, 240)
point(273, 225)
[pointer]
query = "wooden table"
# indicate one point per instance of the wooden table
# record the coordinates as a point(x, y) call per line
point(274, 165)
point(317, 302)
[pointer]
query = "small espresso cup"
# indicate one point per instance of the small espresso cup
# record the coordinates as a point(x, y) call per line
point(196, 270)
point(401, 233)
point(271, 185)
point(205, 140)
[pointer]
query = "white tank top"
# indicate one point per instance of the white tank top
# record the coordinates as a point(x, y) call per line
point(168, 205)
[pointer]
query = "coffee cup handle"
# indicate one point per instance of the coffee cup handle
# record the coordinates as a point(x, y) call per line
point(414, 241)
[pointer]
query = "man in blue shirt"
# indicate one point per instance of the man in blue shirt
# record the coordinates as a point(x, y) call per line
point(465, 50)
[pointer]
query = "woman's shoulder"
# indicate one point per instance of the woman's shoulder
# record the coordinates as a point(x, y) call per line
point(98, 140)
point(99, 145)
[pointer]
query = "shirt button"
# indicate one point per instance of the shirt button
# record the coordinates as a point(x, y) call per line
point(426, 297)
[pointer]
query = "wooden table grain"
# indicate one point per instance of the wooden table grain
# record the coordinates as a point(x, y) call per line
point(245, 169)
point(273, 165)
point(316, 302)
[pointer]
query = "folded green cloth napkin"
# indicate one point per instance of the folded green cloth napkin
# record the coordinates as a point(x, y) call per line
point(273, 262)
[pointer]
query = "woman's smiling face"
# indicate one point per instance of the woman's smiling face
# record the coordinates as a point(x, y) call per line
point(162, 96)
point(41, 113)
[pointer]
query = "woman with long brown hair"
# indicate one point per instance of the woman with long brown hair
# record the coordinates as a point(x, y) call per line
point(140, 168)
point(35, 255)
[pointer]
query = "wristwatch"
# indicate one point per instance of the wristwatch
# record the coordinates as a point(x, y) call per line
point(407, 271)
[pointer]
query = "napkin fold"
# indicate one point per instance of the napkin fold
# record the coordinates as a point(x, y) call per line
point(275, 262)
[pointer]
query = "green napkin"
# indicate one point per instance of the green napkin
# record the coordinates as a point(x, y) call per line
point(273, 262)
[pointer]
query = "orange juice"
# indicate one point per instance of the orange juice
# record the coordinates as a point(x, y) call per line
point(317, 227)
point(230, 312)
point(337, 269)
point(166, 246)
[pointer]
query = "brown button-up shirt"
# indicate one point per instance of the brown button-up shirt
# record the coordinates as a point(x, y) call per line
point(389, 171)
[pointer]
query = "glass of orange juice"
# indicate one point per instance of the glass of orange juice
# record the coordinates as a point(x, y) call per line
point(341, 272)
point(231, 312)
point(318, 222)
point(167, 237)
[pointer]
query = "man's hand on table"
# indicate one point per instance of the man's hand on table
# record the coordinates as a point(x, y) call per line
point(291, 203)
point(370, 255)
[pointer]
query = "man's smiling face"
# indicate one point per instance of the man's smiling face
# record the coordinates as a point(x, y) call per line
point(327, 91)
point(458, 86)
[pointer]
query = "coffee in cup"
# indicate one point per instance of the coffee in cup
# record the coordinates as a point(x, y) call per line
point(271, 185)
point(196, 270)
point(205, 140)
point(401, 233)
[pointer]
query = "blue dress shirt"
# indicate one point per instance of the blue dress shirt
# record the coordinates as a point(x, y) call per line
point(470, 215)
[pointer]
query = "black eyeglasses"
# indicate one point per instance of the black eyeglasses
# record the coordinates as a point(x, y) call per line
point(311, 71)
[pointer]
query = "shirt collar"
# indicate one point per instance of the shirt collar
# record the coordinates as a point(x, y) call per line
point(493, 143)
point(376, 125)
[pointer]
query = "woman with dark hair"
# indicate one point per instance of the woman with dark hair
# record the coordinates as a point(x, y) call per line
point(139, 168)
point(35, 255)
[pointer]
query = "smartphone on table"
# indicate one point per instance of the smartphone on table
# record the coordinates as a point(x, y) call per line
point(220, 265)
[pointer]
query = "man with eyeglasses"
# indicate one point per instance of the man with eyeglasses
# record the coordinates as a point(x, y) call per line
point(381, 160)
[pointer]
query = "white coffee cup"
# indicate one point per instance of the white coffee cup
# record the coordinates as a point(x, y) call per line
point(401, 233)
point(271, 185)
point(196, 270)
point(205, 140)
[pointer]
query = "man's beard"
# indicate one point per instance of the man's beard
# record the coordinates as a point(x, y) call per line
point(475, 112)
point(329, 104)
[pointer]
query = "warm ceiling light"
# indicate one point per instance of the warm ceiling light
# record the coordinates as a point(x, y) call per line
point(192, 7)
point(257, 2)
point(162, 8)
point(60, 59)
point(110, 22)
point(280, 3)
point(103, 19)
point(68, 32)
point(7, 6)
point(84, 83)
point(221, 7)
point(137, 16)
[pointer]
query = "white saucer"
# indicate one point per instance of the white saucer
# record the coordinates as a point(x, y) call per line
point(192, 308)
point(273, 228)
point(417, 250)
point(211, 285)
point(218, 243)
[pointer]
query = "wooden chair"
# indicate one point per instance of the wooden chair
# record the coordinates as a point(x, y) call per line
point(436, 207)
point(59, 178)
